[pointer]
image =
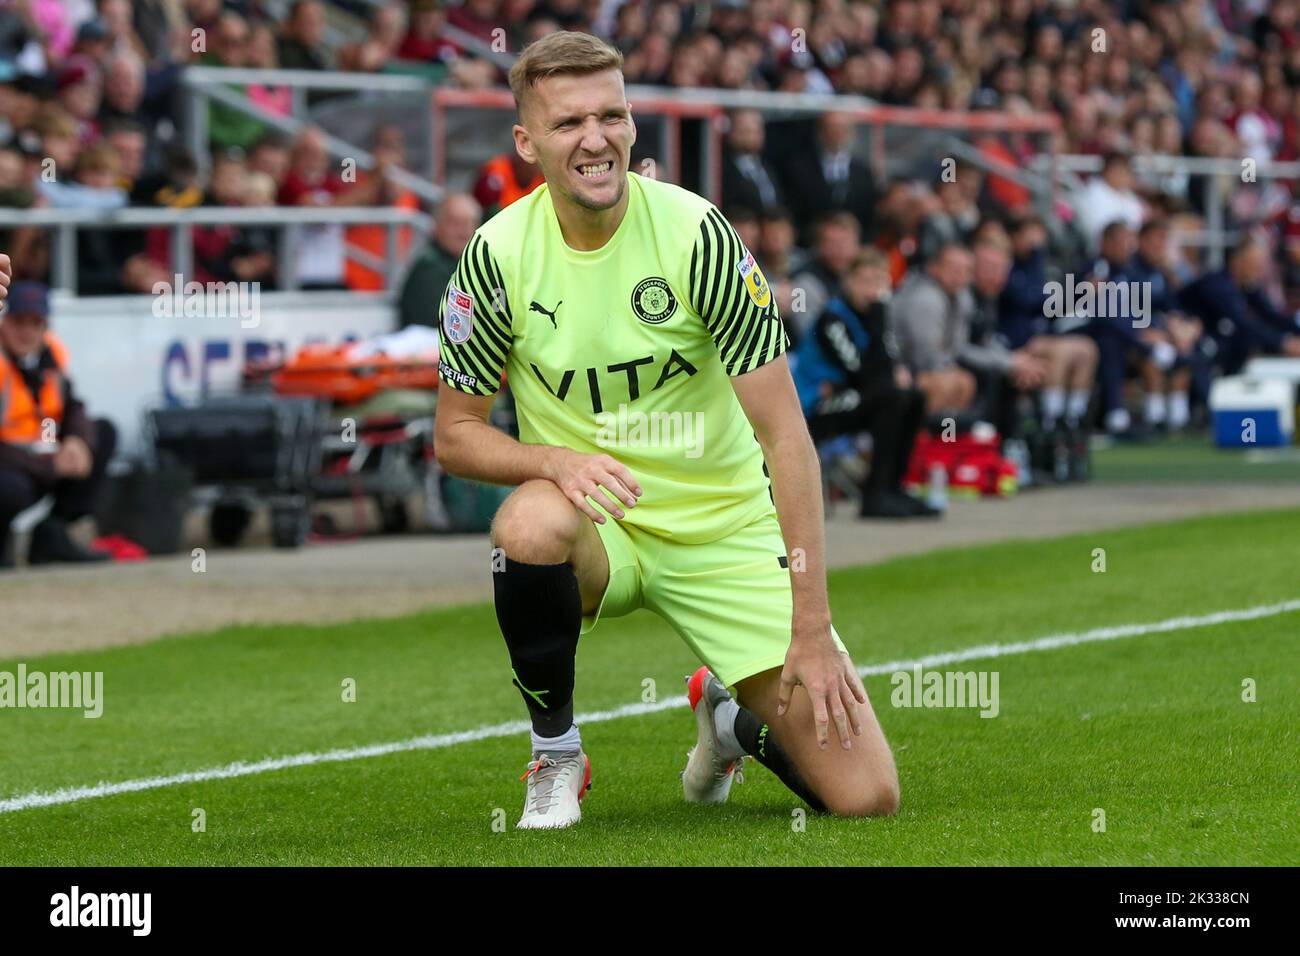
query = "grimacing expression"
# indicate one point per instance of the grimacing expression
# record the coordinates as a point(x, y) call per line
point(579, 131)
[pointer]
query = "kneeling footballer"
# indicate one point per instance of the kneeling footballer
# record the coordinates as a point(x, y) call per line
point(606, 298)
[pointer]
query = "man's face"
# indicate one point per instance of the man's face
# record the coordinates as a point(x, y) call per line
point(865, 284)
point(579, 131)
point(992, 266)
point(953, 270)
point(232, 42)
point(22, 333)
point(456, 222)
point(1118, 245)
point(81, 99)
point(747, 131)
point(130, 147)
point(778, 237)
point(124, 86)
point(1154, 246)
point(1029, 239)
point(837, 245)
point(272, 160)
point(1250, 266)
point(835, 131)
point(309, 23)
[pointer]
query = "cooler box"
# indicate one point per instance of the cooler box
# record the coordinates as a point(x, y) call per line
point(1269, 402)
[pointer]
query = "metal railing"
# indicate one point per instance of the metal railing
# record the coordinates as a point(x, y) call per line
point(710, 106)
point(205, 83)
point(180, 222)
point(1216, 238)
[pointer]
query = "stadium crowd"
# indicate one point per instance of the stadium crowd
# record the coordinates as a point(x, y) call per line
point(908, 299)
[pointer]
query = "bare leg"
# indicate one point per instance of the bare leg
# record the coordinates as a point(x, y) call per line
point(858, 782)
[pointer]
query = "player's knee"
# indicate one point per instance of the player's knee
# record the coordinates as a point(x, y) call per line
point(536, 524)
point(877, 799)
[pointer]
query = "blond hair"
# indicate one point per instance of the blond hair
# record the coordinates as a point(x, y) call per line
point(564, 53)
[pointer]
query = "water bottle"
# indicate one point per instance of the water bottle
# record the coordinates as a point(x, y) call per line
point(1016, 451)
point(937, 495)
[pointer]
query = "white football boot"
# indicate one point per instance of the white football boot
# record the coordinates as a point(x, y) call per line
point(708, 777)
point(556, 785)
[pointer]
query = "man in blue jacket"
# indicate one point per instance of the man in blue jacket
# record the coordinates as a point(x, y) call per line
point(1238, 315)
point(849, 380)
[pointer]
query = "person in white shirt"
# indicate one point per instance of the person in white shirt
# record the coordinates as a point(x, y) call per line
point(1109, 198)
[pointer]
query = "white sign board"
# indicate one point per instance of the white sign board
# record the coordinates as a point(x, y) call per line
point(126, 359)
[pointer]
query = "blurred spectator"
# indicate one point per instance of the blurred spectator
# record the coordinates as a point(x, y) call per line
point(163, 30)
point(228, 127)
point(929, 315)
point(315, 180)
point(93, 40)
point(777, 251)
point(270, 156)
point(838, 243)
point(423, 40)
point(1108, 198)
point(127, 139)
point(747, 179)
point(95, 183)
point(383, 39)
point(79, 90)
point(263, 54)
point(67, 461)
point(745, 221)
point(955, 219)
point(301, 38)
point(228, 253)
point(1059, 368)
point(504, 179)
point(829, 177)
point(1123, 332)
point(176, 185)
point(477, 17)
point(1167, 402)
point(368, 243)
point(426, 282)
point(849, 380)
point(1237, 313)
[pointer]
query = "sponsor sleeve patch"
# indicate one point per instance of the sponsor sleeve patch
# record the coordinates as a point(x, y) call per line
point(458, 317)
point(755, 282)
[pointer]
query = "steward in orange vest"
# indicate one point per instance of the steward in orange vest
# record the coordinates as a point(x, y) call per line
point(505, 179)
point(48, 445)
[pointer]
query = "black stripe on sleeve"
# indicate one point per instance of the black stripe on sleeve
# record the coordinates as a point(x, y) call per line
point(475, 365)
point(745, 335)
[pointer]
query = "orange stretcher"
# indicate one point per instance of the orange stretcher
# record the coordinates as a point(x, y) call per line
point(332, 372)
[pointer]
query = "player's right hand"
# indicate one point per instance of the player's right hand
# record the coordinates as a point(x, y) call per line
point(6, 275)
point(598, 477)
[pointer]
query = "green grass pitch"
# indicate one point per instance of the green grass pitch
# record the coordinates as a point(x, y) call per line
point(1151, 729)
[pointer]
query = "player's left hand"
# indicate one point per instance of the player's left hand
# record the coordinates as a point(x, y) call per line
point(6, 275)
point(832, 683)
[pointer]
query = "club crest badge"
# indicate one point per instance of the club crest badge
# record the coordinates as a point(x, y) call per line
point(458, 317)
point(755, 282)
point(652, 300)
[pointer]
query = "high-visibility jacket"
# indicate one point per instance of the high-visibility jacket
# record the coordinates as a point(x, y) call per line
point(497, 185)
point(372, 240)
point(22, 414)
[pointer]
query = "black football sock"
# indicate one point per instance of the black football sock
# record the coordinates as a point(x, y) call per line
point(761, 744)
point(539, 609)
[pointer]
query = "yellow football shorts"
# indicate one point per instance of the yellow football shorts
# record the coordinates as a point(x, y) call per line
point(730, 600)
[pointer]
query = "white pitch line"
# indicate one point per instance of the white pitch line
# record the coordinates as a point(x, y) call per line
point(29, 801)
